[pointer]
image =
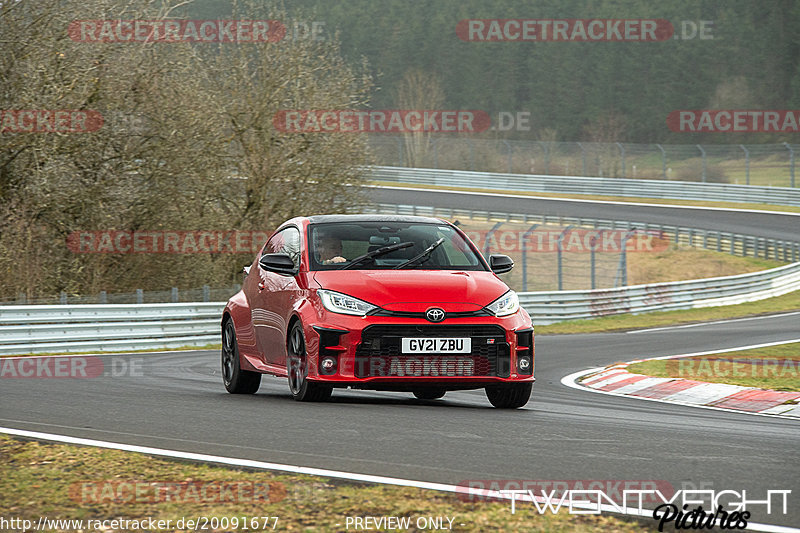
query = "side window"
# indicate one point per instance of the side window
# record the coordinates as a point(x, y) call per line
point(286, 241)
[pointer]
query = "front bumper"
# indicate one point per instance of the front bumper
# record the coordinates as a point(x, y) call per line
point(366, 352)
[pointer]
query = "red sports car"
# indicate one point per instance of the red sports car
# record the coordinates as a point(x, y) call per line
point(377, 302)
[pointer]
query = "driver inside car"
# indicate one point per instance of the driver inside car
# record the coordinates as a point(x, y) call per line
point(329, 250)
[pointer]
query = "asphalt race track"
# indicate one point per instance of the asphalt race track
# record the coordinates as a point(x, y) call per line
point(177, 401)
point(769, 225)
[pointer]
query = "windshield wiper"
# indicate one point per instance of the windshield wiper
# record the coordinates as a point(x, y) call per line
point(427, 252)
point(376, 253)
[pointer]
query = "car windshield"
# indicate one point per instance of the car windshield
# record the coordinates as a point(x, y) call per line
point(390, 245)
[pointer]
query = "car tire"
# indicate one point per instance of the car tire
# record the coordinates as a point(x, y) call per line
point(429, 393)
point(236, 380)
point(301, 388)
point(509, 396)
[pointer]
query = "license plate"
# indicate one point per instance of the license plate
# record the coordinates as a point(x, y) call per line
point(436, 345)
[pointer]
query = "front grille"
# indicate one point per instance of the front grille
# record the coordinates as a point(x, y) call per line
point(380, 354)
point(421, 314)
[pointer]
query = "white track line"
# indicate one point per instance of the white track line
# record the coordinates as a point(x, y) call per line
point(580, 200)
point(230, 461)
point(571, 380)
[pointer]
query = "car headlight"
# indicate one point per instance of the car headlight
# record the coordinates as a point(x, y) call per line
point(337, 302)
point(507, 304)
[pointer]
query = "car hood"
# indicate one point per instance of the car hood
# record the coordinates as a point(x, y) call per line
point(416, 290)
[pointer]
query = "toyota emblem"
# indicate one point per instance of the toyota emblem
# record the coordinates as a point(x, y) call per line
point(434, 314)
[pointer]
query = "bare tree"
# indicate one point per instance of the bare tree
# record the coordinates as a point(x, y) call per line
point(419, 90)
point(181, 119)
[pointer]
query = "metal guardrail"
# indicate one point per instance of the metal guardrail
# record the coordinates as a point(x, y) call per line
point(550, 307)
point(113, 327)
point(680, 190)
point(46, 328)
point(719, 241)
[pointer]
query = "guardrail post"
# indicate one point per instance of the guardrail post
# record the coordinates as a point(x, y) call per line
point(559, 244)
point(399, 151)
point(622, 154)
point(703, 152)
point(509, 155)
point(546, 151)
point(592, 250)
point(206, 293)
point(583, 158)
point(62, 298)
point(139, 296)
point(435, 153)
point(471, 154)
point(174, 295)
point(746, 164)
point(489, 235)
point(663, 161)
point(791, 161)
point(525, 256)
point(622, 269)
point(103, 297)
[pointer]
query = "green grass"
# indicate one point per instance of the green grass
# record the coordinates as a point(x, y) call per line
point(787, 302)
point(772, 367)
point(39, 479)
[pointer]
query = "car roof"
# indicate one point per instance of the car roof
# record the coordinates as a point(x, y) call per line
point(322, 219)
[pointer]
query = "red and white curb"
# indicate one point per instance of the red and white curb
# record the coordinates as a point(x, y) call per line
point(617, 381)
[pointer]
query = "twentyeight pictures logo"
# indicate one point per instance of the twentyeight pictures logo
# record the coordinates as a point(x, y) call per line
point(176, 31)
point(381, 121)
point(576, 30)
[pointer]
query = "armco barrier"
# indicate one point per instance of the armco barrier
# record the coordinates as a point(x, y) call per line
point(550, 307)
point(82, 328)
point(112, 327)
point(681, 190)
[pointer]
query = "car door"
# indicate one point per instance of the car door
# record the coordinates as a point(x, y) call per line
point(274, 298)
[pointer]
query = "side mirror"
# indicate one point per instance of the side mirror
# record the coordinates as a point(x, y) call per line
point(279, 263)
point(500, 264)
